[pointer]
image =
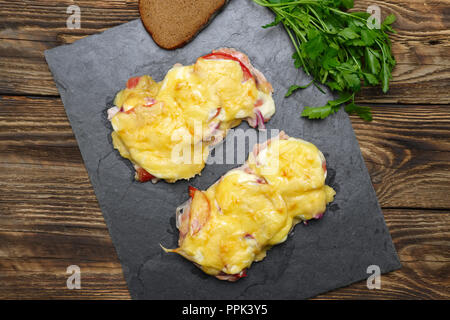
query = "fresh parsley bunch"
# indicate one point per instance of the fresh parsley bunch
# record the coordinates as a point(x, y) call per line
point(337, 48)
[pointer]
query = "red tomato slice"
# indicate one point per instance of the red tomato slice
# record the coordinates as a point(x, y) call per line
point(217, 113)
point(192, 191)
point(241, 274)
point(127, 112)
point(249, 236)
point(232, 277)
point(259, 103)
point(226, 56)
point(133, 82)
point(143, 175)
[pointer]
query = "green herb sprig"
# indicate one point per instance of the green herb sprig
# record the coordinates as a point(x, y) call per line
point(336, 48)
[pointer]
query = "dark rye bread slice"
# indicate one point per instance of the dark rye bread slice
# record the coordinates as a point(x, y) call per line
point(173, 23)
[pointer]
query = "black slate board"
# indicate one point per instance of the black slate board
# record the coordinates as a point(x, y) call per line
point(326, 254)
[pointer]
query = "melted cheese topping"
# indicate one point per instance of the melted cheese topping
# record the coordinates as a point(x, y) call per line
point(245, 217)
point(183, 112)
point(267, 108)
point(296, 167)
point(148, 137)
point(240, 217)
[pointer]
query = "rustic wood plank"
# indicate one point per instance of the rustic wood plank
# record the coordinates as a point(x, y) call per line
point(36, 248)
point(50, 216)
point(33, 263)
point(23, 67)
point(407, 153)
point(406, 149)
point(421, 48)
point(421, 45)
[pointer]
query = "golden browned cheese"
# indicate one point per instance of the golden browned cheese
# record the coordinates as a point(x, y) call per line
point(297, 169)
point(246, 212)
point(170, 139)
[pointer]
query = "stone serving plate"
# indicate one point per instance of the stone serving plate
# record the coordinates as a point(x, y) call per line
point(324, 255)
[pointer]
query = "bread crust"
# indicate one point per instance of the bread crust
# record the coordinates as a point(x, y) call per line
point(174, 23)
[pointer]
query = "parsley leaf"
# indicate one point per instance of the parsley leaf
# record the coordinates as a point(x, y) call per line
point(330, 108)
point(348, 33)
point(319, 112)
point(295, 87)
point(363, 112)
point(274, 23)
point(336, 48)
point(390, 19)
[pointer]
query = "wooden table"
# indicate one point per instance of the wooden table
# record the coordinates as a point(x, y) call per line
point(49, 216)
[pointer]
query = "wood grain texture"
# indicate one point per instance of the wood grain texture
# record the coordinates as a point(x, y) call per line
point(50, 218)
point(406, 148)
point(421, 45)
point(49, 215)
point(37, 269)
point(421, 48)
point(407, 153)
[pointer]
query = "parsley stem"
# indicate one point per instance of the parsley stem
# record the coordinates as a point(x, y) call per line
point(296, 47)
point(324, 26)
point(296, 30)
point(285, 4)
point(325, 77)
point(312, 21)
point(347, 14)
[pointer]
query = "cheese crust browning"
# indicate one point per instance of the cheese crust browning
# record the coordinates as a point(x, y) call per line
point(224, 229)
point(166, 128)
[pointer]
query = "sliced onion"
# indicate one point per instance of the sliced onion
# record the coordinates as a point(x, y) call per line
point(149, 101)
point(252, 122)
point(112, 112)
point(324, 163)
point(259, 119)
point(180, 211)
point(319, 216)
point(215, 134)
point(214, 126)
point(214, 113)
